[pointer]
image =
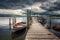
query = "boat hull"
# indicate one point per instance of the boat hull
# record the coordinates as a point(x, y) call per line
point(19, 26)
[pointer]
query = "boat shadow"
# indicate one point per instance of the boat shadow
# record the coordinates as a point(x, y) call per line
point(19, 33)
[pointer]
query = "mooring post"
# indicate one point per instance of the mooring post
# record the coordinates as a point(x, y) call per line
point(27, 19)
point(9, 23)
point(14, 20)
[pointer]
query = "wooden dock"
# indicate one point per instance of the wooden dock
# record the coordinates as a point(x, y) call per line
point(39, 32)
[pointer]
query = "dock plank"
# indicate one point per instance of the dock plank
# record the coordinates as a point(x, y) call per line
point(39, 32)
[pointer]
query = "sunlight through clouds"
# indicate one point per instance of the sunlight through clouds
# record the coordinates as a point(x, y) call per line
point(35, 7)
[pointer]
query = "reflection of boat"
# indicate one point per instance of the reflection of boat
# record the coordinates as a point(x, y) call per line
point(19, 26)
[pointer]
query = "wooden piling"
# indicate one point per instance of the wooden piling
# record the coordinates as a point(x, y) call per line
point(9, 23)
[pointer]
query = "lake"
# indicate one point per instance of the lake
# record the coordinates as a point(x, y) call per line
point(5, 31)
point(54, 21)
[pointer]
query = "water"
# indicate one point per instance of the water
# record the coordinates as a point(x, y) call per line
point(54, 21)
point(5, 32)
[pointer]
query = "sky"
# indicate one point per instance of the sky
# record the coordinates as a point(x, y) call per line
point(20, 6)
point(10, 11)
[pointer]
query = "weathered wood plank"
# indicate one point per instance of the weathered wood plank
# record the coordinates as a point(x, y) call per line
point(38, 32)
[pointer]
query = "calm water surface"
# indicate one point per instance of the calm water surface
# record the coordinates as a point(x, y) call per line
point(5, 31)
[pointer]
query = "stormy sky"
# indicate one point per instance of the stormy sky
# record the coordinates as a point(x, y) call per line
point(18, 6)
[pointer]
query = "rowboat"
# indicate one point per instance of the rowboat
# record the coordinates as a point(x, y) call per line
point(19, 26)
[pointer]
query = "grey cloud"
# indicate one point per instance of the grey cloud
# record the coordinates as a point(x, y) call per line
point(51, 5)
point(8, 4)
point(21, 4)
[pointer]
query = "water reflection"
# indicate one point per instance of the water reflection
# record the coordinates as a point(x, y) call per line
point(19, 35)
point(6, 33)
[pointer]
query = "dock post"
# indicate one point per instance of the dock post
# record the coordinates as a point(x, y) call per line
point(27, 20)
point(10, 23)
point(14, 20)
point(50, 22)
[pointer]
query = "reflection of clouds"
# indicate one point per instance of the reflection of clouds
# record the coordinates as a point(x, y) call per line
point(21, 19)
point(4, 21)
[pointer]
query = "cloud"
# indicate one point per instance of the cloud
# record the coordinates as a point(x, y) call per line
point(20, 6)
point(11, 4)
point(51, 5)
point(10, 11)
point(56, 12)
point(52, 1)
point(34, 7)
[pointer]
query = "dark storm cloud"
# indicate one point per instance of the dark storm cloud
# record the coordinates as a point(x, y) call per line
point(51, 5)
point(27, 4)
point(20, 4)
point(8, 4)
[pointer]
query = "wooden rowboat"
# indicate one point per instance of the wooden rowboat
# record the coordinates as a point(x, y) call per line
point(19, 26)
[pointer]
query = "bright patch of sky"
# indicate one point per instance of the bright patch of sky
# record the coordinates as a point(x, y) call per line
point(10, 11)
point(35, 7)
